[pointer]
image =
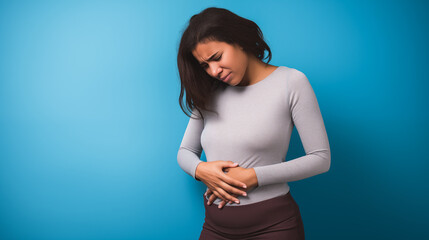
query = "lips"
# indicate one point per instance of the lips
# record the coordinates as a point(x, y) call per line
point(223, 79)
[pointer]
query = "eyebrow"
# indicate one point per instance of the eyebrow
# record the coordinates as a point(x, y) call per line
point(210, 58)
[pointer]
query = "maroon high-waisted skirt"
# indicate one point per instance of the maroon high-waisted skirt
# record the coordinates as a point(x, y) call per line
point(275, 218)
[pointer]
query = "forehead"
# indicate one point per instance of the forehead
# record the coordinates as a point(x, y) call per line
point(204, 50)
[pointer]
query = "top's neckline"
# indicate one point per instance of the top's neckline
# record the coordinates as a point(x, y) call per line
point(259, 82)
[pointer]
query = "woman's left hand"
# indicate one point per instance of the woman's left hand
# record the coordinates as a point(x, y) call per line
point(213, 197)
point(245, 175)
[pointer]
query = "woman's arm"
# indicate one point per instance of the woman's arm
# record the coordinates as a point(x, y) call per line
point(308, 120)
point(210, 173)
point(190, 150)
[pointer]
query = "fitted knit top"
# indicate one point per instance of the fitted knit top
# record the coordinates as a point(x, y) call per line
point(253, 128)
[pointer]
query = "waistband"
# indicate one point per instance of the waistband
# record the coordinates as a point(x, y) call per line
point(252, 218)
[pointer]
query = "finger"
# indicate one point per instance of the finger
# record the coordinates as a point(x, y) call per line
point(232, 181)
point(231, 190)
point(220, 195)
point(228, 164)
point(224, 202)
point(216, 194)
point(234, 195)
point(221, 204)
point(225, 195)
point(208, 192)
point(212, 198)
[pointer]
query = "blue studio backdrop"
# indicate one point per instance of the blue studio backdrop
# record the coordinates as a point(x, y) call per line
point(90, 123)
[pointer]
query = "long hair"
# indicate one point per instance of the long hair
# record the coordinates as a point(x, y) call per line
point(221, 25)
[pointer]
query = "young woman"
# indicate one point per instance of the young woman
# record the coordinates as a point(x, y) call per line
point(244, 111)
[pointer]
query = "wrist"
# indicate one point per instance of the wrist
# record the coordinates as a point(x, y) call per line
point(198, 171)
point(253, 179)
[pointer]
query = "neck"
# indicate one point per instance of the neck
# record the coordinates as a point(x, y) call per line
point(256, 70)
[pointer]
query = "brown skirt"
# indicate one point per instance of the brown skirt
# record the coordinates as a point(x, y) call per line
point(275, 218)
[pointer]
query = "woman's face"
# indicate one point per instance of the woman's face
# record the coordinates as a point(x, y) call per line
point(222, 61)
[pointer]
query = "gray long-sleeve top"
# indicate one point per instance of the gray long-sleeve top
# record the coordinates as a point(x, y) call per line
point(254, 127)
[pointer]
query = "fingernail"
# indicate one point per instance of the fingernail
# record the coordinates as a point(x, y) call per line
point(237, 201)
point(218, 206)
point(244, 186)
point(208, 202)
point(244, 194)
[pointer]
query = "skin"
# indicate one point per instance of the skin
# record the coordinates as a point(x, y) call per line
point(246, 175)
point(219, 59)
point(212, 174)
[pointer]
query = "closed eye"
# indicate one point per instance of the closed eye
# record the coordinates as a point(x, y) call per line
point(217, 59)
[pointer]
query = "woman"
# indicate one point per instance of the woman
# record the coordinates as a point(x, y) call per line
point(244, 111)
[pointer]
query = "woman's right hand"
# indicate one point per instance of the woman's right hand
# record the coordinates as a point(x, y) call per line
point(211, 174)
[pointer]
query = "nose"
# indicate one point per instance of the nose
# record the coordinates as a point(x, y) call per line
point(215, 70)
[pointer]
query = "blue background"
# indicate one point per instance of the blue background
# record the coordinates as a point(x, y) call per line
point(90, 123)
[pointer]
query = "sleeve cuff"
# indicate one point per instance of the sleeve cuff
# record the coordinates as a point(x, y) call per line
point(194, 169)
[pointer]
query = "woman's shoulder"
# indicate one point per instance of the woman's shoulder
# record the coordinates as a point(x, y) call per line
point(291, 72)
point(293, 79)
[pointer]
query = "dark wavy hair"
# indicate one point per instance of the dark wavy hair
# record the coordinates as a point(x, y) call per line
point(221, 25)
